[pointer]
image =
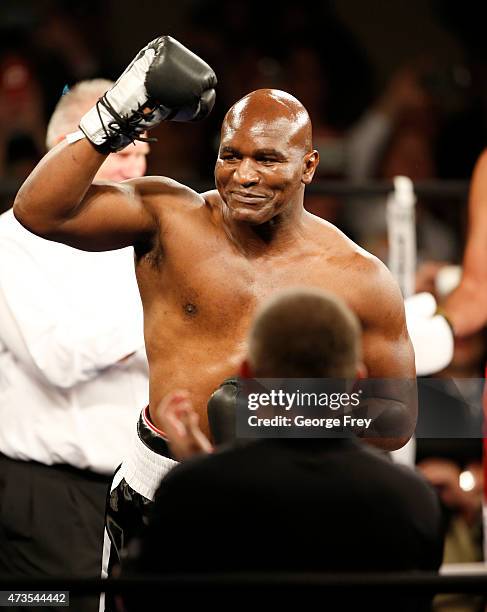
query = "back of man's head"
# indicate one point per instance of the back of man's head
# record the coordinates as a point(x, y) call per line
point(305, 333)
point(72, 106)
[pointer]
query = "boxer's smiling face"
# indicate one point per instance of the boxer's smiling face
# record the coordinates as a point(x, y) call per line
point(262, 165)
point(257, 174)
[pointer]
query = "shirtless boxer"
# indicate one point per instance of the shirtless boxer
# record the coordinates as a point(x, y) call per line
point(204, 261)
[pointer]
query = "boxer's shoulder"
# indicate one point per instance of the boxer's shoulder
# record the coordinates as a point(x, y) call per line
point(163, 186)
point(339, 248)
point(377, 297)
point(368, 285)
point(213, 201)
point(214, 206)
point(162, 195)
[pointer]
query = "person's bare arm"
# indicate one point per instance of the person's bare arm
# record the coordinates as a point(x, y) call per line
point(59, 202)
point(389, 356)
point(165, 81)
point(466, 308)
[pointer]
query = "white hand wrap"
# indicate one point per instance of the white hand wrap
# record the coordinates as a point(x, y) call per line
point(430, 334)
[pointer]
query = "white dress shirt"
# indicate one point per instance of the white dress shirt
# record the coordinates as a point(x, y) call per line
point(73, 369)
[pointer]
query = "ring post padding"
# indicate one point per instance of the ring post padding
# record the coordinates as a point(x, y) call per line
point(401, 231)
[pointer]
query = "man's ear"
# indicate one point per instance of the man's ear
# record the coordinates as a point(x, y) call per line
point(246, 369)
point(310, 163)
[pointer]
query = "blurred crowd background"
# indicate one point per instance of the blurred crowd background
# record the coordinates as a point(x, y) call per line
point(393, 88)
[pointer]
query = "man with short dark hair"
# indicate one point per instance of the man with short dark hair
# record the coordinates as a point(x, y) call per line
point(288, 504)
point(281, 345)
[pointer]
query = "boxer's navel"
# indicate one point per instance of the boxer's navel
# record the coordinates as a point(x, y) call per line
point(190, 309)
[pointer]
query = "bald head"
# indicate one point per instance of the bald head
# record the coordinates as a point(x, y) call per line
point(272, 109)
point(265, 159)
point(305, 333)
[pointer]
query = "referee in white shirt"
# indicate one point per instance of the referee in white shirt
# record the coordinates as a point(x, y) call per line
point(73, 380)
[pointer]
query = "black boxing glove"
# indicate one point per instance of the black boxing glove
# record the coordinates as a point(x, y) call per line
point(221, 410)
point(165, 82)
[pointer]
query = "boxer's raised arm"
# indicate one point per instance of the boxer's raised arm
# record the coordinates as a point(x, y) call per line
point(165, 81)
point(58, 201)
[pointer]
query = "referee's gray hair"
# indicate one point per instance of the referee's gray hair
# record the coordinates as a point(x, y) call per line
point(72, 106)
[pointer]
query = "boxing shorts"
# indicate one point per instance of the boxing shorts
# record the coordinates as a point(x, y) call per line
point(148, 460)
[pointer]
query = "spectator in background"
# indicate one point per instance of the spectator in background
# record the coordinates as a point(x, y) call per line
point(41, 51)
point(307, 79)
point(395, 135)
point(464, 131)
point(453, 462)
point(399, 134)
point(258, 59)
point(72, 359)
point(466, 307)
point(466, 367)
point(21, 105)
point(21, 157)
point(460, 488)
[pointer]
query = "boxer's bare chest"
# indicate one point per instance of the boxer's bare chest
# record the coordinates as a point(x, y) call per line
point(204, 282)
point(200, 292)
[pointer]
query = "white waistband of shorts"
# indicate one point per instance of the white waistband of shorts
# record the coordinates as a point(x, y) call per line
point(143, 469)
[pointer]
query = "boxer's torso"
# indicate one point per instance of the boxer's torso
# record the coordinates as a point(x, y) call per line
point(200, 290)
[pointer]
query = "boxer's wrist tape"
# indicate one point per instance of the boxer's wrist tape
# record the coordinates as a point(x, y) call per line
point(144, 468)
point(75, 136)
point(104, 148)
point(440, 311)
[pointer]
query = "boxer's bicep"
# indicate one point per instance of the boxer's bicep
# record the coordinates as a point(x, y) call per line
point(388, 351)
point(110, 216)
point(385, 357)
point(115, 215)
point(389, 356)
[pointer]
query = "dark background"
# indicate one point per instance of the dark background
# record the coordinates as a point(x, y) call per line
point(421, 62)
point(418, 67)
